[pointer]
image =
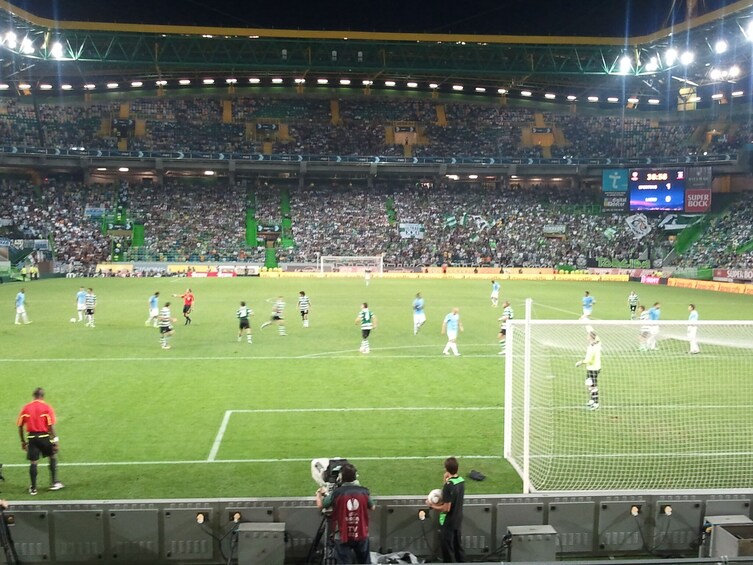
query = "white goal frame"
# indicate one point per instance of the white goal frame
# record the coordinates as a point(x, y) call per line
point(358, 264)
point(523, 408)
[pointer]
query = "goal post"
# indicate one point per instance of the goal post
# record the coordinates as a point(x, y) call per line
point(666, 419)
point(351, 264)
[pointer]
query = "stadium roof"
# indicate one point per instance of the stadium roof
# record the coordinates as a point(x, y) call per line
point(713, 49)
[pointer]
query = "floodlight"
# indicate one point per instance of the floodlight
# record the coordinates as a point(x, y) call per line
point(57, 50)
point(389, 83)
point(625, 65)
point(526, 93)
point(720, 47)
point(457, 87)
point(687, 58)
point(670, 56)
point(734, 71)
point(322, 81)
point(550, 96)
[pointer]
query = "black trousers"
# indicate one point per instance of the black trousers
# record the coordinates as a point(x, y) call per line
point(452, 548)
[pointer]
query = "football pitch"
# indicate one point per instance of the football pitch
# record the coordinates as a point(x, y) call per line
point(214, 417)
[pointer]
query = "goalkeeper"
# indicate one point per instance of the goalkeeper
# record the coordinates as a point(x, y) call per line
point(592, 361)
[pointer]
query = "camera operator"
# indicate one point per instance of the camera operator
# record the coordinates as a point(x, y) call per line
point(350, 504)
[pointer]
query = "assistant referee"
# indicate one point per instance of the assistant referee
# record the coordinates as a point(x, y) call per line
point(38, 418)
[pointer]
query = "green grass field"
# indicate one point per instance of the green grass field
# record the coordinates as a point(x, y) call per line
point(216, 418)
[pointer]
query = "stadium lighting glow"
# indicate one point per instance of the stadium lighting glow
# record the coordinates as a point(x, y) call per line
point(4, 86)
point(613, 99)
point(124, 169)
point(275, 80)
point(593, 98)
point(161, 83)
point(208, 81)
point(90, 86)
point(572, 97)
point(550, 96)
point(412, 85)
point(472, 177)
point(737, 93)
point(715, 74)
point(625, 65)
point(453, 177)
point(45, 86)
point(749, 30)
point(11, 39)
point(322, 81)
point(654, 101)
point(344, 81)
point(184, 82)
point(734, 71)
point(57, 50)
point(66, 87)
point(633, 100)
point(433, 86)
point(526, 93)
point(652, 65)
point(367, 82)
point(299, 80)
point(501, 91)
point(24, 86)
point(255, 80)
point(112, 85)
point(457, 87)
point(209, 173)
point(687, 58)
point(137, 84)
point(720, 47)
point(480, 89)
point(27, 46)
point(717, 96)
point(231, 80)
point(695, 99)
point(101, 168)
point(389, 83)
point(670, 56)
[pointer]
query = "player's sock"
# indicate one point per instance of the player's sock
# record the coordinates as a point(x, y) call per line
point(446, 348)
point(364, 345)
point(54, 469)
point(281, 330)
point(239, 338)
point(250, 339)
point(33, 476)
point(595, 395)
point(163, 341)
point(80, 316)
point(454, 347)
point(502, 347)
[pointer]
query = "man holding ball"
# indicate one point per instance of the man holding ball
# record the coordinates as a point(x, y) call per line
point(451, 513)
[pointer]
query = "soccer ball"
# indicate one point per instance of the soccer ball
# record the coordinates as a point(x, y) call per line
point(73, 320)
point(435, 496)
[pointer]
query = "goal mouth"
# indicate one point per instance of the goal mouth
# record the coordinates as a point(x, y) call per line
point(666, 418)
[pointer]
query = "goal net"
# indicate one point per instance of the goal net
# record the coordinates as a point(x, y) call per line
point(666, 419)
point(351, 264)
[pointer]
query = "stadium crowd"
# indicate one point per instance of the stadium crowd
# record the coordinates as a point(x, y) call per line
point(350, 126)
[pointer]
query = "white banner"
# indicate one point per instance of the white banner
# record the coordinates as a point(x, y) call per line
point(638, 224)
point(411, 231)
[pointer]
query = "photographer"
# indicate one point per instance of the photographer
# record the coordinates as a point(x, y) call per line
point(350, 504)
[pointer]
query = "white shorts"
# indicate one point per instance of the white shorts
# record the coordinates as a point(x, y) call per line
point(587, 311)
point(153, 312)
point(81, 307)
point(495, 295)
point(692, 332)
point(452, 335)
point(20, 309)
point(419, 318)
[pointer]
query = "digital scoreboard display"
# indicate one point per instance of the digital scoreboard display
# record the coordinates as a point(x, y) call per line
point(656, 190)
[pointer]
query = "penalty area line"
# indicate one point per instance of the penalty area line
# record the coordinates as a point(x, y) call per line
point(220, 434)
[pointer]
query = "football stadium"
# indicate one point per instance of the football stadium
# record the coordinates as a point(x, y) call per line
point(278, 295)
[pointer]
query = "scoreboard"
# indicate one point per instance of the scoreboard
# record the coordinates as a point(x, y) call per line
point(656, 190)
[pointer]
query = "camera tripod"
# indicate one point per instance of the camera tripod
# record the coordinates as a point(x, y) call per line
point(324, 555)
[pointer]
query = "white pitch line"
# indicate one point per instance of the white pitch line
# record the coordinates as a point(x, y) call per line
point(370, 409)
point(220, 433)
point(238, 358)
point(252, 461)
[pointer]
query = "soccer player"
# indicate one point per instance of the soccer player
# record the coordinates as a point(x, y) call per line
point(495, 294)
point(507, 315)
point(21, 308)
point(38, 418)
point(419, 317)
point(367, 276)
point(588, 306)
point(645, 331)
point(367, 320)
point(693, 330)
point(632, 304)
point(90, 303)
point(80, 303)
point(165, 324)
point(278, 316)
point(592, 361)
point(188, 300)
point(304, 305)
point(153, 309)
point(451, 325)
point(243, 314)
point(654, 314)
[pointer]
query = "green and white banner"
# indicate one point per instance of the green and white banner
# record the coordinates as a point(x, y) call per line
point(412, 231)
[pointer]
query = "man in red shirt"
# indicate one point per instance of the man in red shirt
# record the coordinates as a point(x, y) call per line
point(39, 419)
point(188, 299)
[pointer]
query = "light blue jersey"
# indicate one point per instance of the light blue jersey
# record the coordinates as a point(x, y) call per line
point(20, 300)
point(418, 306)
point(153, 302)
point(452, 321)
point(588, 302)
point(495, 287)
point(654, 313)
point(80, 298)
